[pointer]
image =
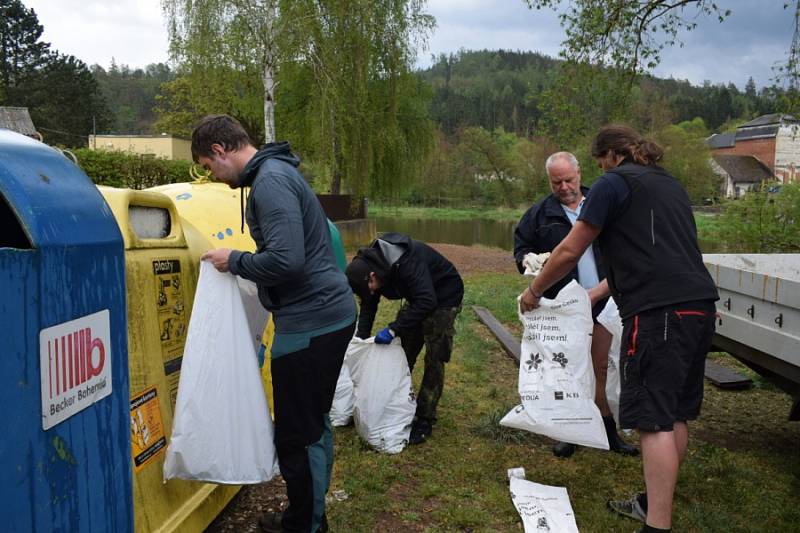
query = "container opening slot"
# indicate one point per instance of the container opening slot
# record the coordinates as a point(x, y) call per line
point(150, 222)
point(11, 233)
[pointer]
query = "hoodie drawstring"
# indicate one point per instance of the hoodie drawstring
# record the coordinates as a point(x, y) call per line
point(242, 199)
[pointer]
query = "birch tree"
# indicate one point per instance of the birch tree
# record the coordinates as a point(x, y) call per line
point(214, 37)
point(345, 68)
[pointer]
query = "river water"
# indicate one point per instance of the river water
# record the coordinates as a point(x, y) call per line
point(492, 233)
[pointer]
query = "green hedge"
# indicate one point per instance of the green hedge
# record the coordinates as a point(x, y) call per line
point(121, 169)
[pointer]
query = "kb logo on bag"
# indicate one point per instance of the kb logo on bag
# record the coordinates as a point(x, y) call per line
point(561, 395)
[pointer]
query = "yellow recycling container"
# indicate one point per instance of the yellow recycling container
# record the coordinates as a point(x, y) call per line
point(162, 255)
point(211, 213)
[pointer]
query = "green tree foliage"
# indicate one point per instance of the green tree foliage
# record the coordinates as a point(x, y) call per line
point(352, 105)
point(183, 101)
point(628, 35)
point(21, 51)
point(134, 171)
point(479, 167)
point(568, 101)
point(65, 101)
point(244, 37)
point(365, 110)
point(490, 89)
point(764, 221)
point(687, 157)
point(131, 95)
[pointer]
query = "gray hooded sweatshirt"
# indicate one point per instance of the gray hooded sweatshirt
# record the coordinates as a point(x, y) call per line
point(294, 264)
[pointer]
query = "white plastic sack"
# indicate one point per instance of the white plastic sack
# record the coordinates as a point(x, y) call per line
point(385, 402)
point(556, 379)
point(222, 431)
point(257, 316)
point(609, 318)
point(542, 507)
point(344, 399)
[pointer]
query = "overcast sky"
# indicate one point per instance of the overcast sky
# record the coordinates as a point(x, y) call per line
point(749, 43)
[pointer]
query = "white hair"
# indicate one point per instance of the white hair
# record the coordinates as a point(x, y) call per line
point(561, 155)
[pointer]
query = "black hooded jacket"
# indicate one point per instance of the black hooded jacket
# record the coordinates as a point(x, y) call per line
point(413, 271)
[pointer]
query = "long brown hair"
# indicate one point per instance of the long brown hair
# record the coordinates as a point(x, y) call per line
point(627, 142)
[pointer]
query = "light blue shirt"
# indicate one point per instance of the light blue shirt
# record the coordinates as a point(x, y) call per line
point(587, 268)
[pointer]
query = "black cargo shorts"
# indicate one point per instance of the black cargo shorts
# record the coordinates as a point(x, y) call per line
point(662, 360)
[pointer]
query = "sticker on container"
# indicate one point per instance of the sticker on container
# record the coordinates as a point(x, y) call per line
point(75, 363)
point(172, 324)
point(147, 430)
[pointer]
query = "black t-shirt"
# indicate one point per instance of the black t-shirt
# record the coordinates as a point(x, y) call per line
point(608, 199)
point(648, 238)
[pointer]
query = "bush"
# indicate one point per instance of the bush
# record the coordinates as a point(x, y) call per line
point(121, 169)
point(764, 221)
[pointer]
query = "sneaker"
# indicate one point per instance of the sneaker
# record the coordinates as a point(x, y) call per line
point(630, 508)
point(564, 449)
point(420, 431)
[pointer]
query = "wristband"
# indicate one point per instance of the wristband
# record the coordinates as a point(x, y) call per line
point(533, 291)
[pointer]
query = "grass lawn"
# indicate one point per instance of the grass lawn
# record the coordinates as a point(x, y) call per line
point(741, 474)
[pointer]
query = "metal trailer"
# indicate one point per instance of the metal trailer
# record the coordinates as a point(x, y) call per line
point(759, 310)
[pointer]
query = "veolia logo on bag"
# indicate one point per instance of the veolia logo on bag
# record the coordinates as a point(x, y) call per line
point(75, 360)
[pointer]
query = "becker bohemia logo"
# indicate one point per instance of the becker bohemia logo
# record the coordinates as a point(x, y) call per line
point(75, 359)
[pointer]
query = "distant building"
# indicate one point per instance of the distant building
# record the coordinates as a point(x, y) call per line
point(774, 140)
point(163, 146)
point(19, 120)
point(740, 172)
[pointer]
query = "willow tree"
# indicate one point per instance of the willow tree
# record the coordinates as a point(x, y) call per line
point(366, 109)
point(345, 66)
point(214, 38)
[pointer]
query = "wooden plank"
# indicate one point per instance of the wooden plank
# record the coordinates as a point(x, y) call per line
point(720, 376)
point(725, 378)
point(509, 343)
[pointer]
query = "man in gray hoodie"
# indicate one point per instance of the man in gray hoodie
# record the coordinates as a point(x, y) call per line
point(308, 295)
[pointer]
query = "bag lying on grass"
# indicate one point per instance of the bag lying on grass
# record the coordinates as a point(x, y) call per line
point(609, 318)
point(344, 399)
point(222, 432)
point(385, 403)
point(542, 507)
point(556, 380)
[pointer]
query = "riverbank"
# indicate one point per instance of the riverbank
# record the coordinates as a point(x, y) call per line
point(707, 220)
point(740, 475)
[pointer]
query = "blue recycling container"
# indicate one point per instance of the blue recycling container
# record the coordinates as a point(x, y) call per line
point(65, 434)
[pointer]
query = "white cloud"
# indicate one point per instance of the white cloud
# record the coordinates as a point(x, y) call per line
point(131, 31)
point(748, 43)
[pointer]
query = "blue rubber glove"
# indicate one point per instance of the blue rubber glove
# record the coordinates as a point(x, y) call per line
point(384, 336)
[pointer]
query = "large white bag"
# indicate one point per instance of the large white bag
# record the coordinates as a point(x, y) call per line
point(609, 318)
point(556, 379)
point(542, 507)
point(344, 399)
point(385, 402)
point(222, 432)
point(257, 316)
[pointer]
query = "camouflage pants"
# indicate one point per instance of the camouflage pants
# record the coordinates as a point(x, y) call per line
point(436, 334)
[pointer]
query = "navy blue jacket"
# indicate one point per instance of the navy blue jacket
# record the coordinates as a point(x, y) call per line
point(541, 229)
